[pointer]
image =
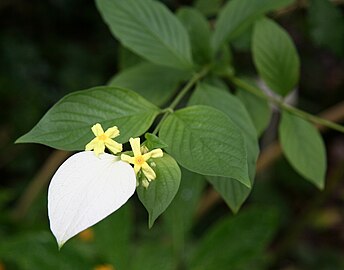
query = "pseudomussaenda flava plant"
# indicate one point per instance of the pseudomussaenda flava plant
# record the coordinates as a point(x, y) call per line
point(209, 127)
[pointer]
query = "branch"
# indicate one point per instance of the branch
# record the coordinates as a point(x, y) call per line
point(39, 182)
point(268, 156)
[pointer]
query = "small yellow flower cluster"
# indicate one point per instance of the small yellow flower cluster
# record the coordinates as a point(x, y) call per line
point(141, 155)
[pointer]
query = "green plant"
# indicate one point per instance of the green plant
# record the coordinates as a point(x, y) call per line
point(210, 125)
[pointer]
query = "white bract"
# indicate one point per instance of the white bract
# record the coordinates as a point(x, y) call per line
point(86, 189)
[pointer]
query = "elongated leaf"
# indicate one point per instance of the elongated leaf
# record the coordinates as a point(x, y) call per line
point(238, 15)
point(155, 83)
point(199, 31)
point(67, 125)
point(148, 28)
point(158, 196)
point(235, 242)
point(275, 56)
point(304, 148)
point(204, 140)
point(231, 190)
point(183, 207)
point(259, 110)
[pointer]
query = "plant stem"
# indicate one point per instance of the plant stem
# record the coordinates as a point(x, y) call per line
point(195, 78)
point(310, 117)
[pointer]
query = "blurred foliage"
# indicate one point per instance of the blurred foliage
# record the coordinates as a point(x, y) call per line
point(50, 48)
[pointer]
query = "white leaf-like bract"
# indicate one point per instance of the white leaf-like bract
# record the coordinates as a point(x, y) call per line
point(86, 189)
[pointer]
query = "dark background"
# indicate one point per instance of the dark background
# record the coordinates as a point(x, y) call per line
point(51, 48)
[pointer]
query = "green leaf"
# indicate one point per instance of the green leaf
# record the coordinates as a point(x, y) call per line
point(127, 58)
point(259, 110)
point(161, 191)
point(67, 125)
point(112, 237)
point(223, 65)
point(231, 190)
point(235, 242)
point(199, 32)
point(275, 56)
point(155, 83)
point(153, 141)
point(204, 140)
point(208, 8)
point(238, 15)
point(149, 29)
point(183, 207)
point(326, 23)
point(304, 148)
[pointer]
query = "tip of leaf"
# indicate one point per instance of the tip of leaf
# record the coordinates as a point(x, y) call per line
point(23, 139)
point(234, 210)
point(19, 140)
point(321, 185)
point(151, 221)
point(247, 183)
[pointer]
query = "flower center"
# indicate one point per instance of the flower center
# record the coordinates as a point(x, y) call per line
point(102, 137)
point(139, 160)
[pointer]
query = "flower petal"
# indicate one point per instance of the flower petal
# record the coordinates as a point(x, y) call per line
point(137, 168)
point(148, 171)
point(99, 147)
point(135, 146)
point(112, 132)
point(97, 129)
point(127, 158)
point(85, 190)
point(156, 153)
point(113, 146)
point(90, 145)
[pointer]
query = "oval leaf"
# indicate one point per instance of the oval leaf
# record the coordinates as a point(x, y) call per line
point(85, 190)
point(304, 148)
point(259, 109)
point(234, 192)
point(275, 56)
point(199, 31)
point(238, 15)
point(153, 82)
point(161, 191)
point(148, 28)
point(67, 125)
point(204, 140)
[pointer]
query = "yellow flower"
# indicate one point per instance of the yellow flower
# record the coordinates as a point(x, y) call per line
point(140, 159)
point(86, 235)
point(103, 139)
point(104, 267)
